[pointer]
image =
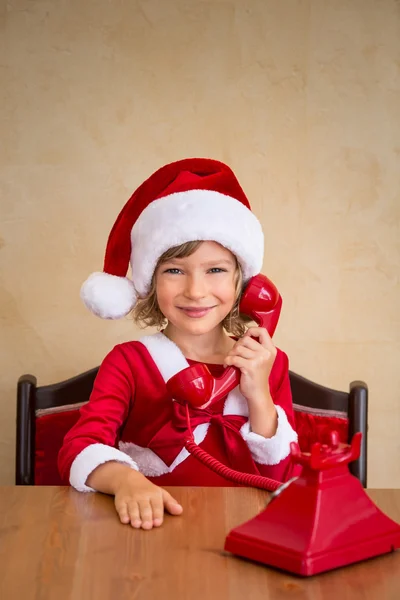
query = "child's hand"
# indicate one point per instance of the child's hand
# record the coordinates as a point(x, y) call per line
point(255, 360)
point(141, 503)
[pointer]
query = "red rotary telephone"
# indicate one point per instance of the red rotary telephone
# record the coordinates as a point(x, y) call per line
point(195, 385)
point(319, 521)
point(260, 301)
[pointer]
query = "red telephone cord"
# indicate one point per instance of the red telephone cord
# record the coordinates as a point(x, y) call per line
point(263, 483)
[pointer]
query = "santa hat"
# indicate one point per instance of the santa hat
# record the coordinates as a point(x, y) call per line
point(188, 200)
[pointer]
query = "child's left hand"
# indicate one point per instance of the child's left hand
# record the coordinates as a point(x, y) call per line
point(255, 360)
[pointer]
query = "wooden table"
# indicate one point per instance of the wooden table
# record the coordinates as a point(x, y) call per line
point(59, 544)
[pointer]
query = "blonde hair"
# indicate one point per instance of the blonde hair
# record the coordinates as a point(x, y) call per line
point(147, 311)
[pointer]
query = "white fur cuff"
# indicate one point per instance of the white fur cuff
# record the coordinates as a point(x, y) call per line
point(270, 451)
point(90, 458)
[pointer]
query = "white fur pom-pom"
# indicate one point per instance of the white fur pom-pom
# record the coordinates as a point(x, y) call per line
point(108, 296)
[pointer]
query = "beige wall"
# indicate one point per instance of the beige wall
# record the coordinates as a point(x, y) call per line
point(301, 98)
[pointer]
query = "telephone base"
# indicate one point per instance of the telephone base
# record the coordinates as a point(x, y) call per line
point(258, 549)
point(320, 522)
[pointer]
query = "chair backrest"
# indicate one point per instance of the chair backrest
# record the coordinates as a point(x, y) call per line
point(46, 413)
point(320, 410)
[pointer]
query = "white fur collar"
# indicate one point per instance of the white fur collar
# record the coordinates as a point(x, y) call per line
point(170, 360)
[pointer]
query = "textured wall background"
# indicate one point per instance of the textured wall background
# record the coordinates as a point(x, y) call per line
point(300, 97)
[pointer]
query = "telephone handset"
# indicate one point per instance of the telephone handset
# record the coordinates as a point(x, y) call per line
point(261, 302)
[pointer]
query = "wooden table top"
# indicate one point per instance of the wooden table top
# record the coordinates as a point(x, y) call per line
point(59, 544)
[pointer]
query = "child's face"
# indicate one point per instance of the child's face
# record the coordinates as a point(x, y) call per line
point(197, 292)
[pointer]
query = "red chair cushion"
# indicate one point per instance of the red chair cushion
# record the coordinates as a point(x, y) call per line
point(316, 428)
point(50, 431)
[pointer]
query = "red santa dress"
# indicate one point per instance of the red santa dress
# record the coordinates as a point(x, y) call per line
point(132, 419)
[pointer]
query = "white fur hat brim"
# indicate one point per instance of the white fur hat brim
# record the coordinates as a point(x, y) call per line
point(190, 216)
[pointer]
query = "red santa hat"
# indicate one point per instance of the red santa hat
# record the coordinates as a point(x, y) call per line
point(191, 199)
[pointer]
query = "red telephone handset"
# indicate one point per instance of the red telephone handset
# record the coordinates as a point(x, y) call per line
point(261, 302)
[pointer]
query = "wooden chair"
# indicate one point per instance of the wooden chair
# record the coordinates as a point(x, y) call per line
point(46, 413)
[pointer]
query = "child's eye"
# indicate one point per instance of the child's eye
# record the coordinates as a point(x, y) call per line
point(173, 271)
point(217, 270)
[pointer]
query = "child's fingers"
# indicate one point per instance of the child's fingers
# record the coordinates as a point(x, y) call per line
point(237, 361)
point(172, 505)
point(134, 514)
point(123, 512)
point(242, 351)
point(147, 510)
point(146, 513)
point(157, 505)
point(248, 342)
point(128, 512)
point(263, 337)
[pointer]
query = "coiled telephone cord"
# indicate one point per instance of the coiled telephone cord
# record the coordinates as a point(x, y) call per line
point(248, 479)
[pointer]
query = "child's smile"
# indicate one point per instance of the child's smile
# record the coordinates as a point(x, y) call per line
point(196, 312)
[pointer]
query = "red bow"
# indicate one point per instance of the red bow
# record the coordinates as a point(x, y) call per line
point(170, 439)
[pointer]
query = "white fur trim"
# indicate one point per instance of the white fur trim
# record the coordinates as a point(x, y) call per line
point(91, 457)
point(270, 451)
point(194, 215)
point(236, 404)
point(150, 464)
point(167, 356)
point(108, 296)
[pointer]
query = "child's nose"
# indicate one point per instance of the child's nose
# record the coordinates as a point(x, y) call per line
point(196, 287)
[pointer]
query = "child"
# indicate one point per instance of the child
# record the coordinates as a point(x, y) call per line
point(192, 242)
